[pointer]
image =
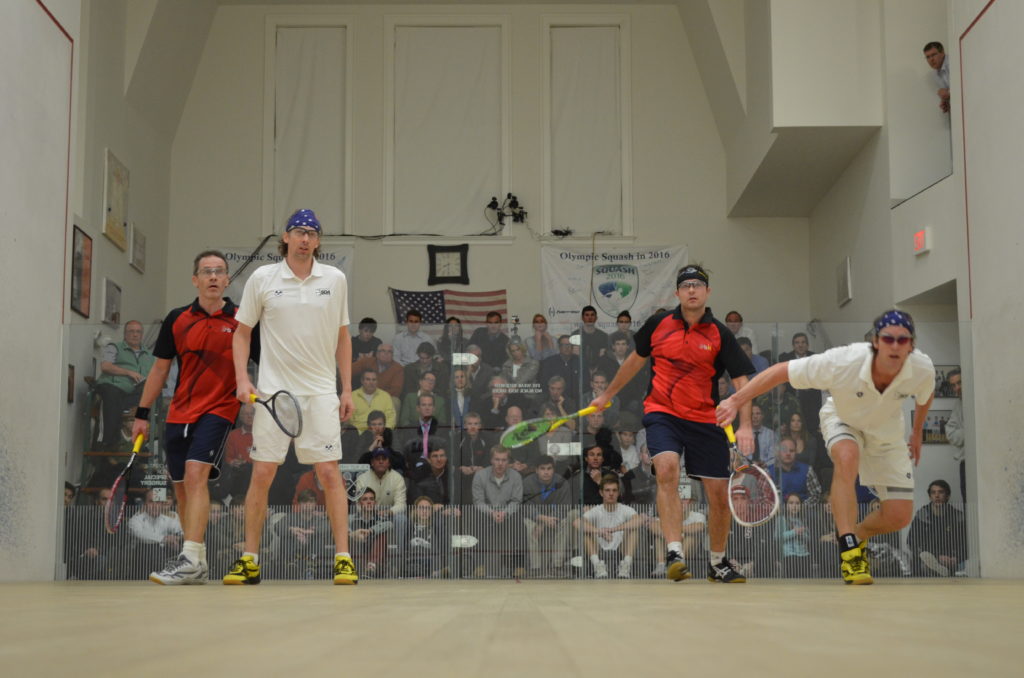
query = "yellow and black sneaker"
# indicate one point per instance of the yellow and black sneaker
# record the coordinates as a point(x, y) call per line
point(244, 571)
point(675, 568)
point(345, 571)
point(855, 566)
point(725, 572)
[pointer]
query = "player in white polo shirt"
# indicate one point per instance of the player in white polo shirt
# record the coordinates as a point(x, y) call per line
point(302, 308)
point(862, 423)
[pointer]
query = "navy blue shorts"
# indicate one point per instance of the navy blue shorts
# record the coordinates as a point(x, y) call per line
point(201, 441)
point(703, 447)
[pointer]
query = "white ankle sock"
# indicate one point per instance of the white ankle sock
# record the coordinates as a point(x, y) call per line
point(676, 546)
point(255, 556)
point(594, 559)
point(193, 550)
point(716, 557)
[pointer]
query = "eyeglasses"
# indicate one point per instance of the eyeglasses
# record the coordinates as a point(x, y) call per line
point(901, 340)
point(304, 232)
point(212, 272)
point(691, 285)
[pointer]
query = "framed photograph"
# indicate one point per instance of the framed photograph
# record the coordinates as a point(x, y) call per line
point(137, 251)
point(844, 282)
point(81, 272)
point(943, 389)
point(111, 302)
point(115, 202)
point(934, 431)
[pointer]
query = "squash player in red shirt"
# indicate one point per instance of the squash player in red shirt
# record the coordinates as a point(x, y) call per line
point(689, 349)
point(203, 409)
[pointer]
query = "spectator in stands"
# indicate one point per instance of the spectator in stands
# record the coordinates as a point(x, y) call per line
point(308, 483)
point(595, 431)
point(390, 375)
point(388, 488)
point(497, 496)
point(376, 436)
point(734, 321)
point(156, 532)
point(801, 348)
point(586, 483)
point(124, 367)
point(410, 404)
point(369, 529)
point(413, 438)
point(625, 441)
point(473, 456)
point(426, 361)
point(546, 503)
point(935, 55)
point(520, 368)
point(565, 365)
point(303, 533)
point(598, 384)
point(69, 493)
point(407, 342)
point(368, 398)
point(90, 551)
point(765, 439)
point(752, 548)
point(478, 374)
point(777, 405)
point(632, 394)
point(593, 342)
point(806, 443)
point(759, 362)
point(641, 484)
point(938, 534)
point(624, 324)
point(792, 476)
point(540, 344)
point(452, 341)
point(364, 344)
point(433, 479)
point(497, 403)
point(955, 428)
point(795, 539)
point(462, 397)
point(610, 528)
point(428, 546)
point(491, 340)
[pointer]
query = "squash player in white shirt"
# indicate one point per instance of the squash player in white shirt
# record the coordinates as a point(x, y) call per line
point(862, 423)
point(302, 308)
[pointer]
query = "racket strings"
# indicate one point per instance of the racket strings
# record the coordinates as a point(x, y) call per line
point(286, 412)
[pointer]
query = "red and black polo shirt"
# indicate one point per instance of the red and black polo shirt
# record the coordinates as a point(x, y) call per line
point(206, 374)
point(686, 363)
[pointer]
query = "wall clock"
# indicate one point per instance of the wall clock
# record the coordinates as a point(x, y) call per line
point(448, 264)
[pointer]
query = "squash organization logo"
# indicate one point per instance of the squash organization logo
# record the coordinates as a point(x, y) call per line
point(616, 287)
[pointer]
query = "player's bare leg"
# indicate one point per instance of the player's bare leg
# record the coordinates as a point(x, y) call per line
point(193, 497)
point(670, 513)
point(336, 500)
point(893, 515)
point(843, 498)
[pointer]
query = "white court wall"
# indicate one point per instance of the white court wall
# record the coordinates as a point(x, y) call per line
point(678, 164)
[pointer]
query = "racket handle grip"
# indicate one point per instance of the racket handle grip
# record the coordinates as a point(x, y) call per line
point(252, 397)
point(138, 443)
point(590, 410)
point(730, 434)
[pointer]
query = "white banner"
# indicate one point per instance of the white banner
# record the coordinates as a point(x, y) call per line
point(611, 279)
point(340, 256)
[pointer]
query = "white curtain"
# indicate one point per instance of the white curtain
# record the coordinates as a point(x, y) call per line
point(586, 143)
point(309, 114)
point(447, 158)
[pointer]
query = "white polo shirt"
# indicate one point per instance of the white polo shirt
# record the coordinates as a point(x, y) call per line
point(299, 322)
point(845, 372)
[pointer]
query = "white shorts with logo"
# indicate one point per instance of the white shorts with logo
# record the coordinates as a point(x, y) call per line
point(885, 464)
point(321, 432)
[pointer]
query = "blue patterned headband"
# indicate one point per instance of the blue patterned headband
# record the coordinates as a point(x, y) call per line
point(896, 318)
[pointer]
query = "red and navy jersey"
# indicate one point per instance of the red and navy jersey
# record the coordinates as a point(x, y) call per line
point(686, 363)
point(206, 373)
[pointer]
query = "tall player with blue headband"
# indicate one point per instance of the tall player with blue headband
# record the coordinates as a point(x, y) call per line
point(862, 424)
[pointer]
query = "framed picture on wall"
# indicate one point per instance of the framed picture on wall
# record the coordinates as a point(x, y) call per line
point(81, 272)
point(111, 302)
point(137, 249)
point(934, 431)
point(943, 389)
point(115, 202)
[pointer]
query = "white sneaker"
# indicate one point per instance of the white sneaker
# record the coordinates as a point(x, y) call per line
point(659, 570)
point(181, 570)
point(624, 569)
point(600, 570)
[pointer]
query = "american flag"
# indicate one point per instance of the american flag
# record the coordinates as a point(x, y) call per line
point(469, 307)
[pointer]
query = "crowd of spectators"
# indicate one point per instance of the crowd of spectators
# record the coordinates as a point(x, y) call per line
point(434, 493)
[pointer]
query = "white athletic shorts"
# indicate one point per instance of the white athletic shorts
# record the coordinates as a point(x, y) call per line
point(321, 432)
point(885, 465)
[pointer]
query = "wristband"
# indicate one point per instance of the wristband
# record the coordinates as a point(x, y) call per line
point(142, 413)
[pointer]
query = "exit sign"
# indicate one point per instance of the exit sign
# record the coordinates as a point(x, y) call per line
point(923, 240)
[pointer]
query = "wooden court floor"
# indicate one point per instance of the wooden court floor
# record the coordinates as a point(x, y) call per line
point(421, 629)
